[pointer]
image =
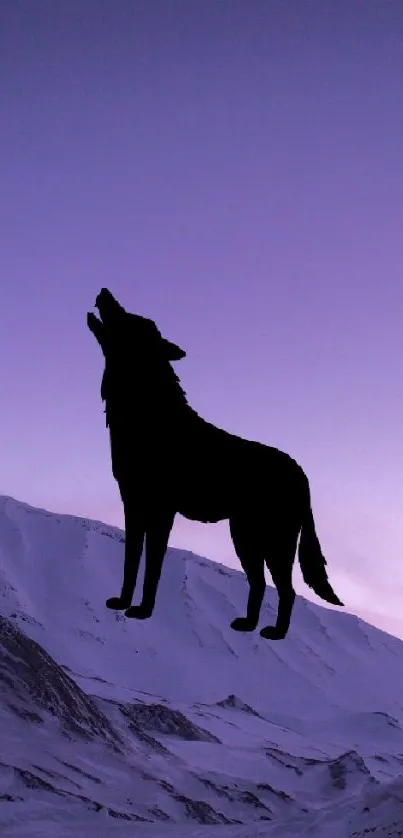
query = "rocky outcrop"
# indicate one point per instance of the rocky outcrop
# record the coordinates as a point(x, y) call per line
point(33, 685)
point(165, 721)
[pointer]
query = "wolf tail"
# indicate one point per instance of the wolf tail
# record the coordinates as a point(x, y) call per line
point(310, 556)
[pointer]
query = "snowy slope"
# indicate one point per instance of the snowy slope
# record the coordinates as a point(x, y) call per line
point(178, 724)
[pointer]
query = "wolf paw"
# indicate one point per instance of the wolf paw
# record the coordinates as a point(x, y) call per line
point(272, 633)
point(117, 603)
point(243, 624)
point(138, 612)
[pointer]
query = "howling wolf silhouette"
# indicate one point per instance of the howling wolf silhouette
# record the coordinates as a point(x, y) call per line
point(167, 459)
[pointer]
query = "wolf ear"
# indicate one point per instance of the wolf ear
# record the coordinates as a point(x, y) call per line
point(172, 351)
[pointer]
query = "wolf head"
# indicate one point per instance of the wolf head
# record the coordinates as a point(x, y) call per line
point(127, 337)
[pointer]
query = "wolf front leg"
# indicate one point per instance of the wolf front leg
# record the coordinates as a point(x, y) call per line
point(135, 531)
point(157, 535)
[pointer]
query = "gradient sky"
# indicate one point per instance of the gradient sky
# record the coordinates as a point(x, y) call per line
point(234, 170)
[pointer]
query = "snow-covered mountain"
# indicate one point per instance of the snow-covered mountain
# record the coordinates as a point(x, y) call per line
point(177, 725)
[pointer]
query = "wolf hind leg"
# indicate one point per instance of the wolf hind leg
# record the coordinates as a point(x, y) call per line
point(280, 563)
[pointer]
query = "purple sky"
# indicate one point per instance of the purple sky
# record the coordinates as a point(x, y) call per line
point(234, 171)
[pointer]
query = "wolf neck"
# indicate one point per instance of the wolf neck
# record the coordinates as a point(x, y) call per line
point(157, 400)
